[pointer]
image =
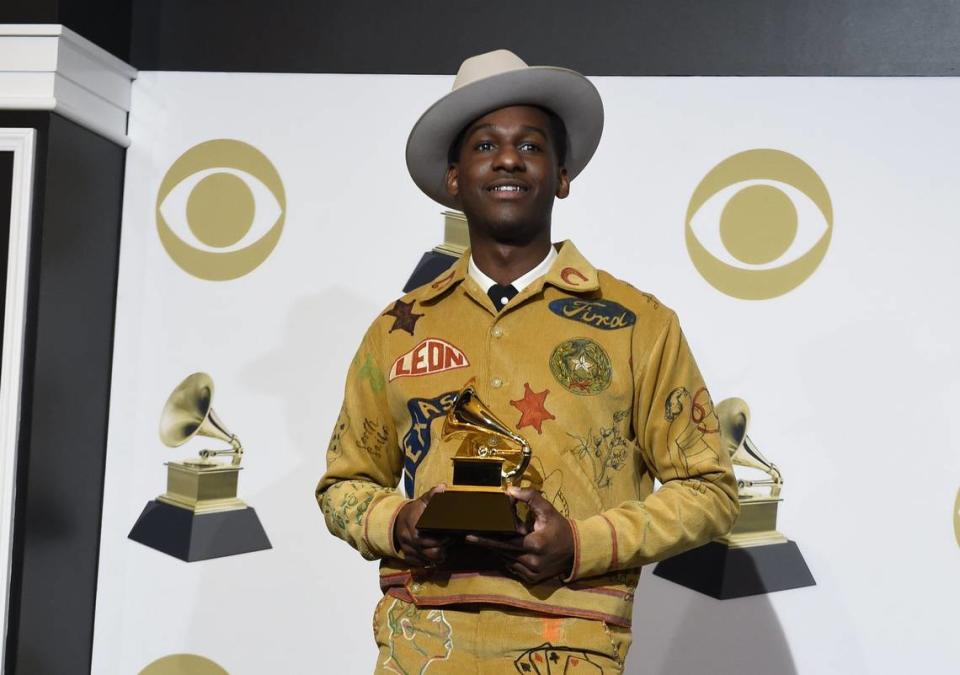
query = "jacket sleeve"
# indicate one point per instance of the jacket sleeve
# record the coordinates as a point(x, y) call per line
point(358, 493)
point(678, 437)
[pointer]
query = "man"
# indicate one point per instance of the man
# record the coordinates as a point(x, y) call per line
point(595, 374)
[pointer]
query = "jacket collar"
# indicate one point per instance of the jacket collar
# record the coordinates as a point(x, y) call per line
point(447, 279)
point(570, 271)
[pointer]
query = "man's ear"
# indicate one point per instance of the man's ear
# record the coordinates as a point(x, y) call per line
point(563, 184)
point(453, 180)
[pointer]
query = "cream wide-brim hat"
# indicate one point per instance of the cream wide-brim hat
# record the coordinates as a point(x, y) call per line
point(496, 80)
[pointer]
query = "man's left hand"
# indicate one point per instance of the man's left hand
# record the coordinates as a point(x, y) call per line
point(540, 551)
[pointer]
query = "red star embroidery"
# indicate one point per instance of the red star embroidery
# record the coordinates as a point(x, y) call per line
point(403, 315)
point(533, 413)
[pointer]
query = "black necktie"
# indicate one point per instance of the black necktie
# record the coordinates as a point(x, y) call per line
point(501, 295)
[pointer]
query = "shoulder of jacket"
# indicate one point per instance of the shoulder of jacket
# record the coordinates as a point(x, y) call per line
point(637, 301)
point(400, 316)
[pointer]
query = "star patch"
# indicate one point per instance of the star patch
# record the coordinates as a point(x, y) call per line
point(581, 363)
point(404, 318)
point(533, 412)
point(581, 366)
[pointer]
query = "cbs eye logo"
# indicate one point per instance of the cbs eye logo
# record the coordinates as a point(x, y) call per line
point(220, 209)
point(176, 664)
point(956, 518)
point(752, 224)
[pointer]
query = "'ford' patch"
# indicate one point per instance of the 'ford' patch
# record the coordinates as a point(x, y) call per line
point(602, 314)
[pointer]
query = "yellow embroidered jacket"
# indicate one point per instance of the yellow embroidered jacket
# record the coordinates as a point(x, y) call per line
point(595, 374)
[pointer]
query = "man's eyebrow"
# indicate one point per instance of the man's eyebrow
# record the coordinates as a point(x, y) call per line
point(474, 129)
point(488, 126)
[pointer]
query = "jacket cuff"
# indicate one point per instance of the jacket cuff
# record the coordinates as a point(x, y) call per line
point(594, 547)
point(378, 525)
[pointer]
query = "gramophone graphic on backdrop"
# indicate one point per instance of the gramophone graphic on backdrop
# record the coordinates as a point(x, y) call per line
point(199, 516)
point(754, 557)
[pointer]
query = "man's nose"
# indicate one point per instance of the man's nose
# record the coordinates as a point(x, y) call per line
point(508, 158)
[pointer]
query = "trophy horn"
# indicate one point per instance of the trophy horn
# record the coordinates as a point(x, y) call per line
point(470, 417)
point(188, 412)
point(734, 416)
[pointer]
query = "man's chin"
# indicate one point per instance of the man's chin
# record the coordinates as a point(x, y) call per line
point(514, 232)
point(508, 225)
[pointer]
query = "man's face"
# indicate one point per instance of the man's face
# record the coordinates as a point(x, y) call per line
point(508, 174)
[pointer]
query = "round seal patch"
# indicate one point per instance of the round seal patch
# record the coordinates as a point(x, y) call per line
point(581, 366)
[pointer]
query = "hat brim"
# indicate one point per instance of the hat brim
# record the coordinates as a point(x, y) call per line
point(567, 93)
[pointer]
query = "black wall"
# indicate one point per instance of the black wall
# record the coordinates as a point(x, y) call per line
point(65, 397)
point(103, 22)
point(597, 37)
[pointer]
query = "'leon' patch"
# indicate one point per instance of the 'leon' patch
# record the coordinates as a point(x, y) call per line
point(603, 314)
point(432, 355)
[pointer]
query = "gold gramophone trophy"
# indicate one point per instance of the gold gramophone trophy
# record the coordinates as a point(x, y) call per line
point(759, 499)
point(754, 557)
point(199, 516)
point(491, 458)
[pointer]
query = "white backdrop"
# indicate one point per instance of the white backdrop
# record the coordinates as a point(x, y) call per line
point(851, 376)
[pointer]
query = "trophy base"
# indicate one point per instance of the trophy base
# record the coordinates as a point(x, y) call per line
point(202, 486)
point(725, 572)
point(469, 511)
point(191, 536)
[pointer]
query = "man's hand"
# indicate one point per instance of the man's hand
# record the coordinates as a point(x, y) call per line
point(417, 549)
point(537, 553)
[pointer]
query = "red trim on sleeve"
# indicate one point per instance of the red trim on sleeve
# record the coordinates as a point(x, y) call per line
point(614, 558)
point(393, 518)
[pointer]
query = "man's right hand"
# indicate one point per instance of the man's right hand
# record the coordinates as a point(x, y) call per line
point(418, 550)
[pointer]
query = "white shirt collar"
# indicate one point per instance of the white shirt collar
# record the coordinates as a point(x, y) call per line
point(486, 282)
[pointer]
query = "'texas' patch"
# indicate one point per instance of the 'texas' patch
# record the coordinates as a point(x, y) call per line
point(603, 314)
point(416, 442)
point(432, 355)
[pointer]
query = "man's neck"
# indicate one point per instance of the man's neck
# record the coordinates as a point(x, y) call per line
point(507, 262)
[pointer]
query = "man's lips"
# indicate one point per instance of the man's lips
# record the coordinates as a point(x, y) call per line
point(507, 189)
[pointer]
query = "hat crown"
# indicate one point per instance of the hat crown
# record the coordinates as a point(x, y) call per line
point(495, 80)
point(486, 65)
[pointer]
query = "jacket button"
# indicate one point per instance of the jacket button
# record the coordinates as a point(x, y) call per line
point(497, 331)
point(496, 383)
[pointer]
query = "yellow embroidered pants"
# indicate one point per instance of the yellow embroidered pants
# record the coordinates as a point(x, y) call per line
point(482, 639)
